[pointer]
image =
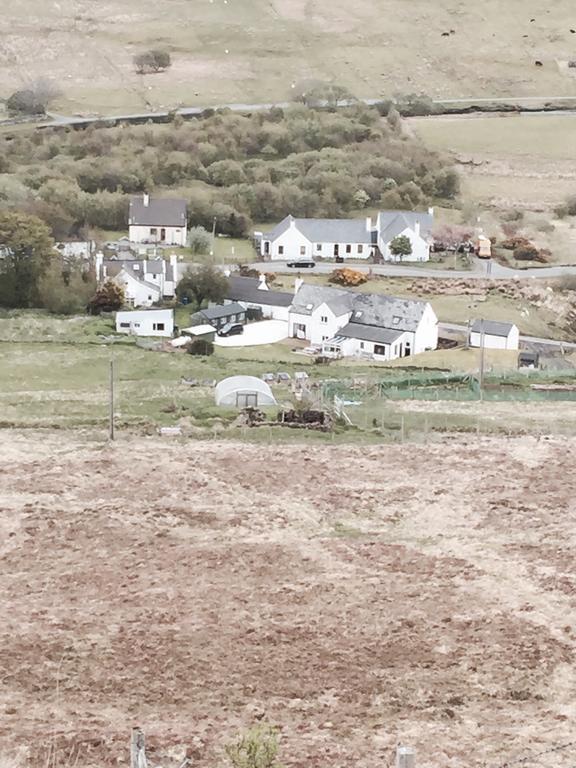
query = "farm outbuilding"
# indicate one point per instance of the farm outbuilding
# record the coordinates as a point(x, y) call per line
point(494, 335)
point(244, 392)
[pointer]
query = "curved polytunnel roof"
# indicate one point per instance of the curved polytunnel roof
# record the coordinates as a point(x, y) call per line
point(241, 384)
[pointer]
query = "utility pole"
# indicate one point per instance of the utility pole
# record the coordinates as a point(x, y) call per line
point(111, 400)
point(213, 239)
point(481, 371)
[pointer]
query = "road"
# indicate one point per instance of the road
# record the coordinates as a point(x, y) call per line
point(481, 269)
point(56, 120)
point(535, 343)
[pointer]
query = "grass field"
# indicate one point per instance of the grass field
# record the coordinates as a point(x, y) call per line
point(254, 50)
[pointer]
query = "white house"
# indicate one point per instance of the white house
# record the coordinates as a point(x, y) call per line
point(144, 282)
point(496, 335)
point(253, 293)
point(160, 220)
point(146, 322)
point(344, 239)
point(348, 324)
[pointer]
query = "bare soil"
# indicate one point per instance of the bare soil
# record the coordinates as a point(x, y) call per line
point(356, 597)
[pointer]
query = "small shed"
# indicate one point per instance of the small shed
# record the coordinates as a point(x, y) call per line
point(528, 360)
point(146, 322)
point(496, 335)
point(243, 392)
point(221, 315)
point(203, 331)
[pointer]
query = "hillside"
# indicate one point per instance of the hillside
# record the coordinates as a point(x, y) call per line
point(389, 595)
point(253, 50)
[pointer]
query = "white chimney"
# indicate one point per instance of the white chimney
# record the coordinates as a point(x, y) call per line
point(262, 286)
point(98, 263)
point(292, 222)
point(417, 228)
point(368, 224)
point(298, 283)
point(431, 211)
point(146, 199)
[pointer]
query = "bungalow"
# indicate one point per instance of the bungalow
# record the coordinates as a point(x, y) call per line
point(144, 282)
point(220, 315)
point(146, 322)
point(254, 294)
point(341, 239)
point(157, 220)
point(496, 335)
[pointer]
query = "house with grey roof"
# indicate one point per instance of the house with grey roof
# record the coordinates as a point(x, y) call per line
point(318, 312)
point(254, 294)
point(145, 282)
point(220, 315)
point(157, 220)
point(492, 334)
point(344, 239)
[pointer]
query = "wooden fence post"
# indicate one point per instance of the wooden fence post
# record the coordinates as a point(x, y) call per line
point(137, 749)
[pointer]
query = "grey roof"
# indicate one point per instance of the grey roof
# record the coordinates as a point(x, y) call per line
point(392, 223)
point(221, 310)
point(310, 297)
point(387, 311)
point(492, 327)
point(160, 211)
point(370, 333)
point(114, 267)
point(246, 289)
point(155, 267)
point(325, 230)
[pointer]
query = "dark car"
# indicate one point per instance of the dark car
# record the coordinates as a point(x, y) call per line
point(231, 329)
point(303, 264)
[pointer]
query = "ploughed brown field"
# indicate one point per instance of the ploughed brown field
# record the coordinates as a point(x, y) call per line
point(356, 597)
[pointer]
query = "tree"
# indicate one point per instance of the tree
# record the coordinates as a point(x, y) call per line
point(201, 285)
point(109, 297)
point(33, 99)
point(29, 250)
point(199, 240)
point(65, 289)
point(154, 60)
point(318, 93)
point(401, 246)
point(200, 347)
point(258, 748)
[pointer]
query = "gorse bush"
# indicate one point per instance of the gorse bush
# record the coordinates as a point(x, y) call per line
point(232, 167)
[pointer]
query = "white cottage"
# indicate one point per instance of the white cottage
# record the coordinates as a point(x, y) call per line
point(145, 282)
point(160, 220)
point(496, 335)
point(146, 322)
point(344, 239)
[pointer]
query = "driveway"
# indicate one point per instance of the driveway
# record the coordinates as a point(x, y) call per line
point(264, 332)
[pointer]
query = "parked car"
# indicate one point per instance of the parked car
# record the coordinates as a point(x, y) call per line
point(302, 264)
point(231, 329)
point(268, 377)
point(282, 376)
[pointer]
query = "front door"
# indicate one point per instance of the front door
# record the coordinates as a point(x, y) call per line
point(299, 331)
point(246, 400)
point(163, 235)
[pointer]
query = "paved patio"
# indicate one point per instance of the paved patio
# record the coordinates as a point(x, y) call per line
point(264, 332)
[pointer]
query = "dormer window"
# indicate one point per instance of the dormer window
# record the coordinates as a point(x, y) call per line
point(395, 320)
point(358, 314)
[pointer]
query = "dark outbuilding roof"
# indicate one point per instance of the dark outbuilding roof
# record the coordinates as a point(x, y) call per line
point(492, 328)
point(159, 212)
point(221, 310)
point(370, 333)
point(247, 289)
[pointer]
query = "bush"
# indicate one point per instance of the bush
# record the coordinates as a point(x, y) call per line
point(25, 102)
point(347, 277)
point(109, 297)
point(200, 347)
point(155, 60)
point(529, 252)
point(515, 242)
point(199, 240)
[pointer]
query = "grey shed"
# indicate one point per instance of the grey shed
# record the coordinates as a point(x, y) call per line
point(243, 392)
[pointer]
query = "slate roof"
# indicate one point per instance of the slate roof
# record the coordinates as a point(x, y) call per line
point(221, 310)
point(160, 211)
point(246, 289)
point(392, 223)
point(387, 311)
point(310, 297)
point(325, 230)
point(370, 333)
point(492, 328)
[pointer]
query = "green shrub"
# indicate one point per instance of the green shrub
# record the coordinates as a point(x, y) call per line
point(200, 347)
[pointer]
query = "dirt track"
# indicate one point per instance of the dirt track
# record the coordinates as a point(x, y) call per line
point(356, 597)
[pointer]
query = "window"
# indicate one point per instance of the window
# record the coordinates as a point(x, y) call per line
point(124, 325)
point(348, 249)
point(153, 231)
point(302, 250)
point(136, 325)
point(157, 326)
point(379, 349)
point(336, 249)
point(360, 249)
point(149, 298)
point(318, 246)
point(280, 250)
point(361, 345)
point(324, 319)
point(395, 320)
point(324, 338)
point(267, 247)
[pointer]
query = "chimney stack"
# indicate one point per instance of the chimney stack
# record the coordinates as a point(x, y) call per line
point(298, 283)
point(431, 211)
point(262, 285)
point(369, 224)
point(146, 199)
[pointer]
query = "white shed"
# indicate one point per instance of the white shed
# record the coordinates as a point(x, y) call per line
point(496, 335)
point(146, 322)
point(244, 392)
